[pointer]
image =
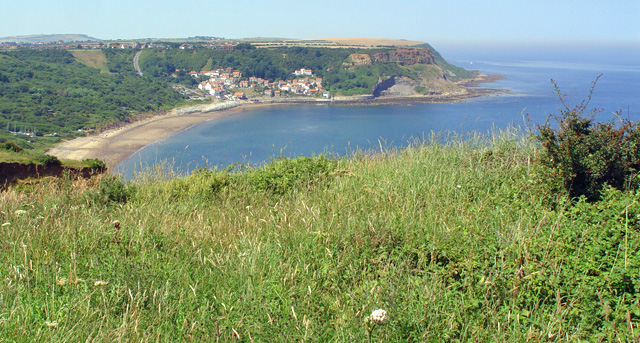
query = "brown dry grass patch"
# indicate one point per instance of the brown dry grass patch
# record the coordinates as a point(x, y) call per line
point(92, 58)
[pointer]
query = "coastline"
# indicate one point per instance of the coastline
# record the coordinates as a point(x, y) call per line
point(115, 145)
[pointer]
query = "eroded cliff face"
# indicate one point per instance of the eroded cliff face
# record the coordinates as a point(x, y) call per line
point(12, 171)
point(400, 56)
point(405, 56)
point(358, 60)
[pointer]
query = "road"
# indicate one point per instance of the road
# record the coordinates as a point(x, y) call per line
point(135, 62)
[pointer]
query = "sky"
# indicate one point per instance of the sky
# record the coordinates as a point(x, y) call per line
point(446, 21)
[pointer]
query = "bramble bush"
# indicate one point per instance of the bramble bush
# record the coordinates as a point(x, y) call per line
point(584, 155)
point(283, 175)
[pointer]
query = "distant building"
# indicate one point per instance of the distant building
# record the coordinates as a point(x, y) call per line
point(303, 71)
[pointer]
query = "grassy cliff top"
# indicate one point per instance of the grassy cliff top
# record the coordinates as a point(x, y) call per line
point(462, 241)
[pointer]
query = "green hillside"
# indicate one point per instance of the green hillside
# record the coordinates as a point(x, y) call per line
point(50, 92)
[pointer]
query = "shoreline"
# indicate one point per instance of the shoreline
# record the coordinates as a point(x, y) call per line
point(115, 145)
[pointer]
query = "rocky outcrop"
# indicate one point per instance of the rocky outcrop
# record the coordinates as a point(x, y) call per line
point(383, 85)
point(358, 60)
point(12, 171)
point(400, 56)
point(405, 56)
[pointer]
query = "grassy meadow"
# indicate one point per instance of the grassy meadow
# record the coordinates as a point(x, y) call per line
point(93, 59)
point(464, 241)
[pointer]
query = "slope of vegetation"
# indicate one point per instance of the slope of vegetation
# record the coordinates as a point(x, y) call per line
point(49, 95)
point(462, 241)
point(453, 72)
point(45, 92)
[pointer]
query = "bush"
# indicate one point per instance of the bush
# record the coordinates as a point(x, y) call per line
point(112, 189)
point(585, 155)
point(202, 183)
point(11, 146)
point(283, 175)
point(48, 160)
point(94, 163)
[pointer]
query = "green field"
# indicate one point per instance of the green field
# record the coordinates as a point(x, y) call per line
point(463, 241)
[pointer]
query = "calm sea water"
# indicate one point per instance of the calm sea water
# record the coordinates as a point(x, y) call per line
point(253, 137)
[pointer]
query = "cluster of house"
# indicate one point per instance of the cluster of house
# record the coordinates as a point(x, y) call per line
point(221, 81)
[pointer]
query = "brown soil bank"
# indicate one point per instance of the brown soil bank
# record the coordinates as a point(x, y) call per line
point(10, 172)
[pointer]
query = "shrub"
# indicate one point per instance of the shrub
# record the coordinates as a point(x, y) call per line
point(203, 183)
point(112, 189)
point(283, 175)
point(95, 163)
point(11, 146)
point(48, 160)
point(586, 155)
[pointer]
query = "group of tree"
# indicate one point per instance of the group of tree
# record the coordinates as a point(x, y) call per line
point(49, 91)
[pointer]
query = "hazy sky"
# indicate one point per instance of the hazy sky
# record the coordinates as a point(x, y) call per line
point(422, 20)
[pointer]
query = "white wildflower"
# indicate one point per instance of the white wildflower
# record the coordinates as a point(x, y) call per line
point(20, 212)
point(379, 317)
point(51, 324)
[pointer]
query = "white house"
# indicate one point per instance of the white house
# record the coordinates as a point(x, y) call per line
point(303, 71)
point(216, 91)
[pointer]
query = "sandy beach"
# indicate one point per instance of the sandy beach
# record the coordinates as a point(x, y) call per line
point(113, 146)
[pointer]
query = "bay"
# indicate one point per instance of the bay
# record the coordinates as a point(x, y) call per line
point(254, 137)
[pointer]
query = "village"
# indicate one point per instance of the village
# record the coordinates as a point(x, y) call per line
point(227, 83)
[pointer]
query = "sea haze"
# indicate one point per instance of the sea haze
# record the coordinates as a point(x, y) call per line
point(253, 137)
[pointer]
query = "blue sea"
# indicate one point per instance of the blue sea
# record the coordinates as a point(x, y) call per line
point(254, 137)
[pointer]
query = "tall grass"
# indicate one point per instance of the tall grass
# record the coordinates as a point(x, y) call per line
point(456, 241)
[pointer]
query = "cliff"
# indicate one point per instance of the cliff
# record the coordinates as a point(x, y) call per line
point(400, 56)
point(406, 56)
point(10, 172)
